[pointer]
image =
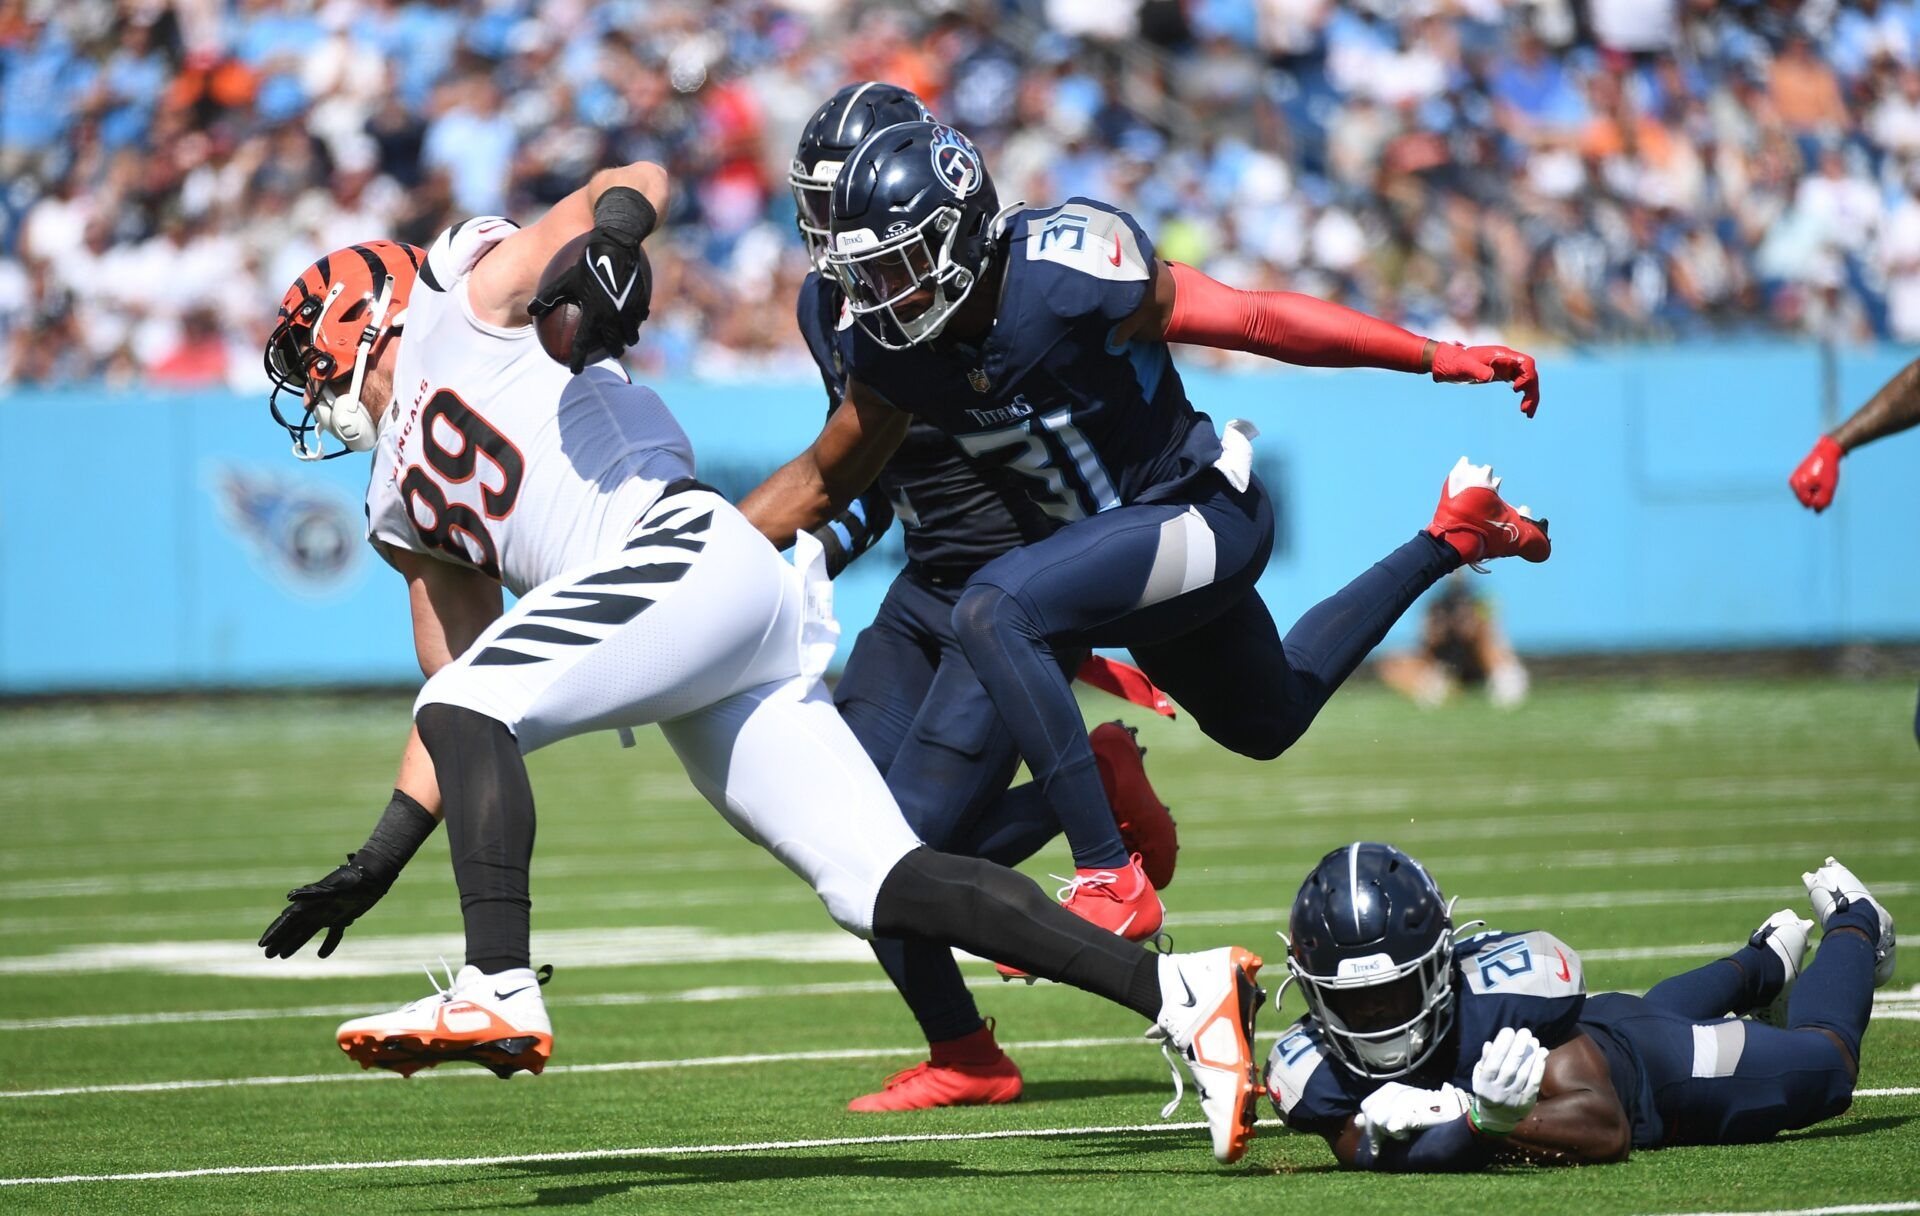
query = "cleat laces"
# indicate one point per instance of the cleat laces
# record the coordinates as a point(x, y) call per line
point(1106, 879)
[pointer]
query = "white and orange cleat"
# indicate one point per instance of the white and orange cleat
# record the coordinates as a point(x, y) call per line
point(1207, 1005)
point(497, 1021)
point(1119, 901)
point(1477, 522)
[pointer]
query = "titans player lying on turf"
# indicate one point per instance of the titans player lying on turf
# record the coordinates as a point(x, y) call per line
point(1037, 338)
point(643, 597)
point(1420, 1052)
point(907, 691)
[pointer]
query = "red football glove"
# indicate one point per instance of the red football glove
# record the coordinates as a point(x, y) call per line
point(1457, 364)
point(1818, 475)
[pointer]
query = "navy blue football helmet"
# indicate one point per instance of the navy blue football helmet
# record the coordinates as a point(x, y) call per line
point(1370, 942)
point(830, 136)
point(913, 225)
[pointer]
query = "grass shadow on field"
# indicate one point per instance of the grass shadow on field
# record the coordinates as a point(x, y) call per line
point(598, 1180)
point(1848, 1127)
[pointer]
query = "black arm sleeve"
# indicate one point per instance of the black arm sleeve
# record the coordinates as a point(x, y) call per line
point(855, 530)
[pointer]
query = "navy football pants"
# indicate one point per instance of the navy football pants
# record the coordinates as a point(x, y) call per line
point(1712, 1079)
point(1172, 582)
point(916, 707)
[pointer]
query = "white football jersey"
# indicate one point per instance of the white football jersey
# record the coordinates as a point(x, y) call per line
point(493, 455)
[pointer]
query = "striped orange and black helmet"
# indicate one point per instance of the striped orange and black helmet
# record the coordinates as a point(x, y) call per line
point(330, 313)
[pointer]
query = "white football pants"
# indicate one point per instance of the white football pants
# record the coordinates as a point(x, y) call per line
point(699, 625)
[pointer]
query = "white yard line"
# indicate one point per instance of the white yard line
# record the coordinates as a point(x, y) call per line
point(1844, 1209)
point(1896, 1004)
point(610, 1154)
point(681, 996)
point(1497, 905)
point(762, 1146)
point(651, 1065)
point(658, 1065)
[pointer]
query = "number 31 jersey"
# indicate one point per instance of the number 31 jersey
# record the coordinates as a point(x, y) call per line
point(492, 455)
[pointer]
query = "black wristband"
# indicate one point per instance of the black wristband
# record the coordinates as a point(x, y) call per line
point(625, 212)
point(404, 826)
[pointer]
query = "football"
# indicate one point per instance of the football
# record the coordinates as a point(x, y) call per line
point(556, 328)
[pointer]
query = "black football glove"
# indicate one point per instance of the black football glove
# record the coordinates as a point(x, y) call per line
point(612, 283)
point(333, 903)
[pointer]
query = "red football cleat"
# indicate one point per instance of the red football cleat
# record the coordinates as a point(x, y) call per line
point(1145, 825)
point(1477, 522)
point(970, 1071)
point(1121, 902)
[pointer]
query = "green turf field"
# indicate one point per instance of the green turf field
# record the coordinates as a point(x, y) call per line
point(703, 999)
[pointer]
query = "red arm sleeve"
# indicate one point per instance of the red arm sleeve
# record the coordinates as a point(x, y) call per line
point(1288, 326)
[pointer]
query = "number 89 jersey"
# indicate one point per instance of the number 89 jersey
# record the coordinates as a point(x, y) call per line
point(1531, 980)
point(492, 455)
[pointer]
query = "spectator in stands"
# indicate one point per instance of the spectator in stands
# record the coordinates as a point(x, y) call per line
point(1672, 167)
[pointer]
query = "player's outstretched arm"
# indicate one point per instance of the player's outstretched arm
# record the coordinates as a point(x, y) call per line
point(840, 464)
point(1895, 408)
point(451, 605)
point(1188, 306)
point(505, 280)
point(1579, 1119)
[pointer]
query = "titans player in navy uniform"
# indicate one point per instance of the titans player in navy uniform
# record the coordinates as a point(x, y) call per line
point(1038, 339)
point(949, 767)
point(1419, 1053)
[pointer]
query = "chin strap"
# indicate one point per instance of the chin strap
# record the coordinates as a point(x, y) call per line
point(351, 403)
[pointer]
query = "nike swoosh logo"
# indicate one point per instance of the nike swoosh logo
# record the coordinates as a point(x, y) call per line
point(1566, 972)
point(1115, 259)
point(1126, 924)
point(1512, 532)
point(1191, 1000)
point(501, 996)
point(603, 270)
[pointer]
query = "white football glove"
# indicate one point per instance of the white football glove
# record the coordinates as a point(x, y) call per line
point(1396, 1111)
point(1506, 1081)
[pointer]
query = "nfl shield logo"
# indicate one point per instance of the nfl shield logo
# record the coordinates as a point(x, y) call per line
point(977, 377)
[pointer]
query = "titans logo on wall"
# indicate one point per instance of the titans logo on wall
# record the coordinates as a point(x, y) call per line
point(305, 536)
point(956, 162)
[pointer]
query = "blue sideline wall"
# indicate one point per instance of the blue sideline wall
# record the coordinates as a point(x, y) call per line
point(157, 541)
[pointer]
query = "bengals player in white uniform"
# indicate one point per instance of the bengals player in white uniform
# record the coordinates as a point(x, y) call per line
point(643, 596)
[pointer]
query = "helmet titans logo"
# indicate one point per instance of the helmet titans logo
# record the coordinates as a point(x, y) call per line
point(956, 162)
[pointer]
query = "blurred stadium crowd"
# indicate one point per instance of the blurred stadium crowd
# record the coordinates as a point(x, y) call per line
point(1556, 170)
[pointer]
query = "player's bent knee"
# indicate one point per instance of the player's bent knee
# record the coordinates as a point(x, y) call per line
point(440, 723)
point(1255, 736)
point(985, 613)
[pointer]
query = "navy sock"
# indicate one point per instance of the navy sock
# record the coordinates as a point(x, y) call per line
point(1836, 993)
point(1744, 980)
point(1338, 633)
point(1014, 661)
point(931, 984)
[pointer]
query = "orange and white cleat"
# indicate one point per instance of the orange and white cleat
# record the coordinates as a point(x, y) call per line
point(1476, 521)
point(1208, 1002)
point(1146, 826)
point(496, 1021)
point(969, 1071)
point(1119, 901)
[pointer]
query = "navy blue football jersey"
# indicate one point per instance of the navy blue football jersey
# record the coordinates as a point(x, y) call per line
point(1082, 423)
point(956, 515)
point(1530, 980)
